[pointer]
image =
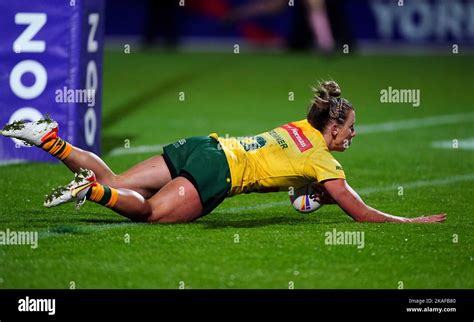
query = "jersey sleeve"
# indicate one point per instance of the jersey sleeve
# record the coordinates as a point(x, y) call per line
point(323, 166)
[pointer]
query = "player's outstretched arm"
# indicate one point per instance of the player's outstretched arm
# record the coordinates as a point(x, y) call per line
point(355, 207)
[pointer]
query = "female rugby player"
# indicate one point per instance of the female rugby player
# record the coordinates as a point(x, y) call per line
point(194, 175)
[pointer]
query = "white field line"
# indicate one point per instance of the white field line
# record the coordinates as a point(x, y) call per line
point(361, 129)
point(462, 144)
point(11, 162)
point(416, 123)
point(136, 150)
point(366, 191)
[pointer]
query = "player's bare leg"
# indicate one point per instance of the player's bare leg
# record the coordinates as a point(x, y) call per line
point(177, 202)
point(132, 205)
point(44, 134)
point(79, 158)
point(146, 178)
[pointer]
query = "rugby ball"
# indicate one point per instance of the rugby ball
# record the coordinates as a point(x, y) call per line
point(302, 199)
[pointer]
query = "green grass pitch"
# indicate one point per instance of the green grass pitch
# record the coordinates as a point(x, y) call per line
point(277, 247)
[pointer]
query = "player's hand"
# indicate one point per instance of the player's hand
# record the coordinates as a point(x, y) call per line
point(321, 195)
point(428, 219)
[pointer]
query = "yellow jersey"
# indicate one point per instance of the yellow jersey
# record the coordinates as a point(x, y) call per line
point(291, 155)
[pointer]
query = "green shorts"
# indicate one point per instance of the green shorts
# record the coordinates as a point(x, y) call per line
point(201, 160)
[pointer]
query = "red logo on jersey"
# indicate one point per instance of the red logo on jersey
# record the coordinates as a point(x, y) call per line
point(302, 142)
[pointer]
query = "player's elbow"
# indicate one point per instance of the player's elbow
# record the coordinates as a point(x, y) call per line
point(360, 217)
point(357, 216)
point(356, 209)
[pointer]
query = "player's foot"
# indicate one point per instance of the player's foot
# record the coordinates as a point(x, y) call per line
point(76, 190)
point(32, 133)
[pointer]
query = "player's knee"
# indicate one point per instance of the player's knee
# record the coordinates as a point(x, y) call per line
point(110, 180)
point(157, 216)
point(163, 215)
point(140, 214)
point(138, 208)
point(118, 181)
point(121, 181)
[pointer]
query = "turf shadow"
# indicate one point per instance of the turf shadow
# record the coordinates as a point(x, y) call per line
point(254, 223)
point(105, 221)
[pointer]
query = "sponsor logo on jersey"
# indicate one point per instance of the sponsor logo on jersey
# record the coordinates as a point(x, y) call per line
point(296, 133)
point(253, 143)
point(281, 142)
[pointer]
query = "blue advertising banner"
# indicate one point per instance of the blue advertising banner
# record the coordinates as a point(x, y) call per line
point(378, 23)
point(51, 63)
point(408, 22)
